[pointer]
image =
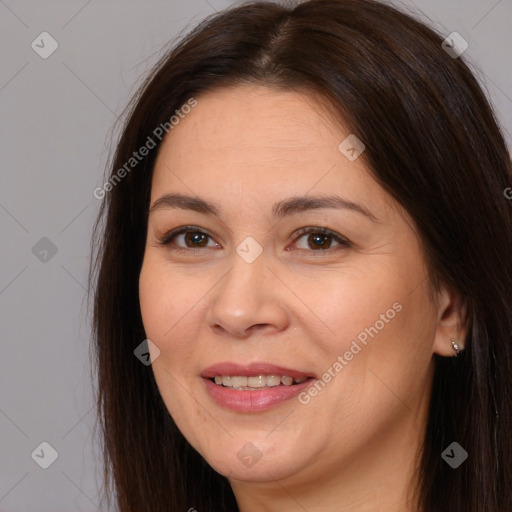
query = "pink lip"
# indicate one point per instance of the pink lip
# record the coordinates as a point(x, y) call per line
point(253, 401)
point(259, 399)
point(251, 370)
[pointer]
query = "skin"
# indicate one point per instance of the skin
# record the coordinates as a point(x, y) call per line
point(355, 445)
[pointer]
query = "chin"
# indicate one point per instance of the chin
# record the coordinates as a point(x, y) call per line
point(256, 461)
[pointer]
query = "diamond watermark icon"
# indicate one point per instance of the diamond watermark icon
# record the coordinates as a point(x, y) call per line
point(147, 352)
point(249, 455)
point(454, 455)
point(45, 455)
point(44, 250)
point(44, 45)
point(249, 249)
point(454, 45)
point(351, 147)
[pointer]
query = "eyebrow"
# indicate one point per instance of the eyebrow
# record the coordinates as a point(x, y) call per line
point(290, 206)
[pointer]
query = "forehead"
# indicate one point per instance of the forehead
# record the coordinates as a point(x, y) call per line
point(263, 143)
point(249, 118)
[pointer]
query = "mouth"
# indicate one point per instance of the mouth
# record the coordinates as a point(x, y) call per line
point(244, 383)
point(255, 387)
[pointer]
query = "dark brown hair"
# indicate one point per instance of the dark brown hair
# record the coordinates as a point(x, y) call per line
point(432, 141)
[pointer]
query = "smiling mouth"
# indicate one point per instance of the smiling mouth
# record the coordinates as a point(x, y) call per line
point(254, 387)
point(256, 382)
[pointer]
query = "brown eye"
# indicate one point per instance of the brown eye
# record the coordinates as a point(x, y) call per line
point(320, 239)
point(195, 239)
point(187, 237)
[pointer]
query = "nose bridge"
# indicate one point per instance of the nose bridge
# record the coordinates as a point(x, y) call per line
point(248, 267)
point(245, 297)
point(243, 286)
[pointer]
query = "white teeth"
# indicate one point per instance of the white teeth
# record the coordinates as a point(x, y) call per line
point(239, 382)
point(257, 381)
point(273, 380)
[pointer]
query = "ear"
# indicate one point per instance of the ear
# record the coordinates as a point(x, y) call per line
point(452, 317)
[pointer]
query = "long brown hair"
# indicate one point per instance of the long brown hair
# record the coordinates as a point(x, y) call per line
point(432, 141)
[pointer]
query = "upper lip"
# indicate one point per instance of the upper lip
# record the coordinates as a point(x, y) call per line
point(251, 370)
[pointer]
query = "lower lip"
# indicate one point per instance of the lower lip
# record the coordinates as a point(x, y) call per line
point(253, 401)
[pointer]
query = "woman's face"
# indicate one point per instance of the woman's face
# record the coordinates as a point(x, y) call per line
point(244, 293)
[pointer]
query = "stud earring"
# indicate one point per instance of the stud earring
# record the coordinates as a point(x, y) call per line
point(456, 347)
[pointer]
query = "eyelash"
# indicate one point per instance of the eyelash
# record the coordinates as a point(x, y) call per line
point(169, 237)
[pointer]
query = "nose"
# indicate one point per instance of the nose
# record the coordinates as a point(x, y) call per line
point(248, 300)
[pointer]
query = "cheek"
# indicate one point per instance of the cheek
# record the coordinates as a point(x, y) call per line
point(169, 317)
point(347, 303)
point(378, 323)
point(393, 368)
point(154, 300)
point(169, 307)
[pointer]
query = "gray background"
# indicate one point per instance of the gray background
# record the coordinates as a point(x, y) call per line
point(56, 120)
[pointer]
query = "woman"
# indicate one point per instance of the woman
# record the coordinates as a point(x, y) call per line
point(303, 276)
